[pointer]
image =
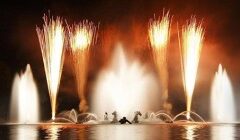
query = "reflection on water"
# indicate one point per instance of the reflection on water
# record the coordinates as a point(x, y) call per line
point(120, 132)
point(128, 132)
point(191, 132)
point(52, 132)
point(22, 132)
point(224, 133)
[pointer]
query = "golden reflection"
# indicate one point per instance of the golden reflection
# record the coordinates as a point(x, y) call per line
point(191, 132)
point(53, 131)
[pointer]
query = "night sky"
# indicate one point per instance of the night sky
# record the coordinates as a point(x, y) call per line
point(125, 21)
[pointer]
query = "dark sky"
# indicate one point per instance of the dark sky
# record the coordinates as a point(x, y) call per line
point(123, 20)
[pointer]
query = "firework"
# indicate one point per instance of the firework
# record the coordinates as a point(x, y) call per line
point(159, 30)
point(52, 40)
point(192, 38)
point(82, 36)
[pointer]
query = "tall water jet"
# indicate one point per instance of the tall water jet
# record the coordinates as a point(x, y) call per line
point(159, 31)
point(82, 36)
point(24, 107)
point(192, 38)
point(222, 109)
point(222, 98)
point(125, 86)
point(52, 41)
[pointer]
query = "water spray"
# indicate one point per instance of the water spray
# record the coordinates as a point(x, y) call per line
point(222, 98)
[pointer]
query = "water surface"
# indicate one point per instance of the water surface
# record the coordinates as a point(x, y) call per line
point(120, 132)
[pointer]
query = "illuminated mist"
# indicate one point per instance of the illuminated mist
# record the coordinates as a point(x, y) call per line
point(82, 36)
point(52, 40)
point(125, 86)
point(24, 106)
point(192, 37)
point(222, 98)
point(159, 31)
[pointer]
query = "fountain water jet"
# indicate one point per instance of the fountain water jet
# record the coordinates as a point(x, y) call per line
point(157, 117)
point(52, 39)
point(159, 31)
point(24, 106)
point(69, 116)
point(190, 52)
point(222, 98)
point(82, 36)
point(222, 103)
point(72, 116)
point(125, 87)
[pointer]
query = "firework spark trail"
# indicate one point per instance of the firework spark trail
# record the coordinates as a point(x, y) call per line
point(159, 31)
point(192, 38)
point(81, 37)
point(52, 43)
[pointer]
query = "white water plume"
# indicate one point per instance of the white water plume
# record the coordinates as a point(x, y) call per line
point(24, 98)
point(125, 86)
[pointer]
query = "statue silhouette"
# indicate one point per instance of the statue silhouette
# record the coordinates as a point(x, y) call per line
point(135, 119)
point(124, 121)
point(106, 116)
point(114, 120)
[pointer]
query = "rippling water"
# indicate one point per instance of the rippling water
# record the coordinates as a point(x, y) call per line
point(121, 132)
